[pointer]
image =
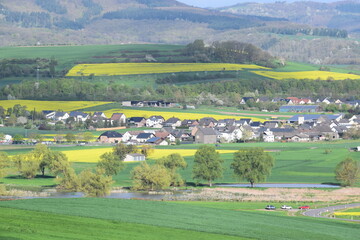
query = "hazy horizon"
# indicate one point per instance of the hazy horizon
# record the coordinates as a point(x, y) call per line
point(224, 3)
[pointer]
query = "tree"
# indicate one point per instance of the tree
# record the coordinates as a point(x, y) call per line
point(121, 150)
point(70, 137)
point(110, 163)
point(253, 165)
point(207, 164)
point(95, 184)
point(348, 172)
point(147, 150)
point(18, 138)
point(87, 136)
point(150, 177)
point(27, 165)
point(173, 162)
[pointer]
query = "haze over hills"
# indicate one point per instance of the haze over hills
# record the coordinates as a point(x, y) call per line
point(331, 14)
point(64, 22)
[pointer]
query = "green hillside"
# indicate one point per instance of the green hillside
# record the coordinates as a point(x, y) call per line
point(155, 220)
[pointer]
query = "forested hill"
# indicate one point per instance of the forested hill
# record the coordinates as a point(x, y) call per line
point(341, 15)
point(94, 22)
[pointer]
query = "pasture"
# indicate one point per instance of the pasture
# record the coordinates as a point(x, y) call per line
point(314, 75)
point(111, 69)
point(136, 219)
point(295, 162)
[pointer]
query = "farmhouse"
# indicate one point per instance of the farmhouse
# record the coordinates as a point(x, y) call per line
point(120, 118)
point(205, 135)
point(134, 157)
point(110, 137)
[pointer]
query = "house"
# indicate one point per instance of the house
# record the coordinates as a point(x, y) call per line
point(143, 137)
point(268, 136)
point(61, 116)
point(314, 118)
point(79, 116)
point(205, 136)
point(134, 157)
point(301, 137)
point(130, 135)
point(300, 108)
point(120, 118)
point(48, 114)
point(229, 134)
point(208, 122)
point(295, 100)
point(157, 141)
point(110, 137)
point(226, 122)
point(137, 121)
point(189, 123)
point(244, 100)
point(172, 122)
point(154, 121)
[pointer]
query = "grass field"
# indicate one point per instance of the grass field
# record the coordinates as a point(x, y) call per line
point(111, 69)
point(295, 162)
point(68, 56)
point(314, 75)
point(135, 219)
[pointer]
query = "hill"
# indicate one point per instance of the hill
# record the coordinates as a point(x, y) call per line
point(85, 22)
point(342, 14)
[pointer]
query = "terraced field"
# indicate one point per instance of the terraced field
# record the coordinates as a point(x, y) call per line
point(314, 75)
point(111, 69)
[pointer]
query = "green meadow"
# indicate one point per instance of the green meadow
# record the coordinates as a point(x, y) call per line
point(135, 219)
point(295, 163)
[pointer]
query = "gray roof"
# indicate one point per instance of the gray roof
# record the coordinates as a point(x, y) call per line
point(208, 131)
point(111, 134)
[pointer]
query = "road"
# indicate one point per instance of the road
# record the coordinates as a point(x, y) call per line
point(317, 212)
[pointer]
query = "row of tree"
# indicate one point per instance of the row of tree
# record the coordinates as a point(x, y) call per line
point(230, 92)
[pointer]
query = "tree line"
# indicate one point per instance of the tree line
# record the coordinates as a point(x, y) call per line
point(229, 92)
point(230, 52)
point(329, 32)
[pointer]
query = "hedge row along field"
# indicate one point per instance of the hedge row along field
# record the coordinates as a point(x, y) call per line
point(181, 115)
point(111, 69)
point(51, 105)
point(314, 75)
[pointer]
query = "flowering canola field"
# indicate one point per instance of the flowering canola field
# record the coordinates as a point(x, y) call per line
point(51, 105)
point(93, 155)
point(314, 75)
point(347, 214)
point(111, 69)
point(181, 115)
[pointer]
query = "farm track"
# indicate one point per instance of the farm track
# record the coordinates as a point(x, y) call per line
point(317, 212)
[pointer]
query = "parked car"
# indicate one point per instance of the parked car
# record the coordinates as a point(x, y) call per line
point(286, 207)
point(304, 207)
point(270, 207)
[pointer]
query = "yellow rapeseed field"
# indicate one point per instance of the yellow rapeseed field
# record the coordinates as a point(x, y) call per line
point(51, 105)
point(347, 213)
point(314, 75)
point(93, 155)
point(111, 69)
point(180, 115)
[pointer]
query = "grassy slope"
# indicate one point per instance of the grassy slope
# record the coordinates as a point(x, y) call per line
point(296, 163)
point(67, 56)
point(246, 224)
point(25, 224)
